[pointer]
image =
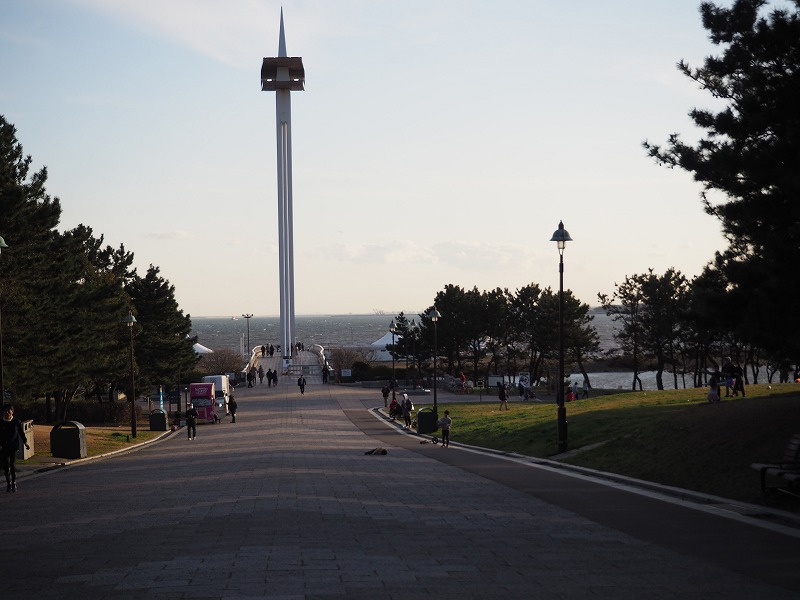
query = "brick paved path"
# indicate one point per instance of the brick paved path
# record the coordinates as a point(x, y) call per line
point(284, 504)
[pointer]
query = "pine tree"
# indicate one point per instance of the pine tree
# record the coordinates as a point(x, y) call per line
point(749, 161)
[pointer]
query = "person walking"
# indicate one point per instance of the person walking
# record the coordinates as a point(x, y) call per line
point(502, 393)
point(445, 422)
point(11, 434)
point(408, 408)
point(260, 374)
point(232, 406)
point(191, 421)
point(301, 381)
point(385, 393)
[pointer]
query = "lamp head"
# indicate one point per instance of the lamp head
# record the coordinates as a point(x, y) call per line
point(2, 243)
point(561, 236)
point(129, 319)
point(434, 315)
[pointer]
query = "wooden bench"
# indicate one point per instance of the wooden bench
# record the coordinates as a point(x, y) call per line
point(788, 469)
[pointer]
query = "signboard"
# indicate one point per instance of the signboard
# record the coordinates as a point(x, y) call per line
point(347, 372)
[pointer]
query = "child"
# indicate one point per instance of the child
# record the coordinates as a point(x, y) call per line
point(445, 423)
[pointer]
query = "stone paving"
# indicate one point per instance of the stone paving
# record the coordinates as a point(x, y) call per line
point(284, 504)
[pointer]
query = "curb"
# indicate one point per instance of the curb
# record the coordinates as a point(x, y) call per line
point(30, 471)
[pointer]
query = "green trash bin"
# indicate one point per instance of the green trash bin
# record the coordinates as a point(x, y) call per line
point(68, 440)
point(158, 420)
point(426, 421)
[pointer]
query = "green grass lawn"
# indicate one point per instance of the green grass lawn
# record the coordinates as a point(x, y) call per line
point(673, 437)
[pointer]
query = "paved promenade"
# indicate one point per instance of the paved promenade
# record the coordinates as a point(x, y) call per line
point(284, 504)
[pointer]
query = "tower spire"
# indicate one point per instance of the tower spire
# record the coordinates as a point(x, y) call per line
point(282, 39)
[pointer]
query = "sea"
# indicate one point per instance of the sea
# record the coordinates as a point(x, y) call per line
point(335, 331)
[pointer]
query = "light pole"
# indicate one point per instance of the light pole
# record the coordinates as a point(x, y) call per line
point(561, 237)
point(412, 334)
point(248, 316)
point(393, 329)
point(129, 321)
point(434, 315)
point(2, 377)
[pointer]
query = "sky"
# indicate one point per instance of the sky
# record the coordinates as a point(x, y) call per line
point(436, 142)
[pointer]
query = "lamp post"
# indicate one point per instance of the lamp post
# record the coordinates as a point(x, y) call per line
point(248, 316)
point(2, 377)
point(393, 329)
point(129, 321)
point(434, 316)
point(412, 333)
point(561, 237)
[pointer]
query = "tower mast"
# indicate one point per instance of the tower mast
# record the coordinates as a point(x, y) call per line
point(283, 75)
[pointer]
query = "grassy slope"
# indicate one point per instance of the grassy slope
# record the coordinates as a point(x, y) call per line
point(672, 437)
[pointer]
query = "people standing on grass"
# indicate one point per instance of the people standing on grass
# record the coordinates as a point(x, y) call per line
point(738, 381)
point(713, 389)
point(445, 422)
point(11, 434)
point(191, 421)
point(502, 393)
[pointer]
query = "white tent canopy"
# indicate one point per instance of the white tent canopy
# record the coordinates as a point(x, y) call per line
point(386, 340)
point(200, 349)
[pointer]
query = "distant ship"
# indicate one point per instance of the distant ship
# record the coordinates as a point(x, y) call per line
point(234, 318)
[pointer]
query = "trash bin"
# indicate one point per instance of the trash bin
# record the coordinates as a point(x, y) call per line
point(426, 421)
point(23, 453)
point(68, 440)
point(158, 420)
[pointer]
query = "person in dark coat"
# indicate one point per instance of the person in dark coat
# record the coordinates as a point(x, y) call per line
point(232, 407)
point(11, 434)
point(191, 421)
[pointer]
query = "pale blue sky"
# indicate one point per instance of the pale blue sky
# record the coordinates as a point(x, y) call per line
point(436, 142)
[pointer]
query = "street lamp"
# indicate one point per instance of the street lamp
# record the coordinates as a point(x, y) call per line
point(2, 378)
point(434, 316)
point(130, 320)
point(561, 237)
point(248, 316)
point(393, 329)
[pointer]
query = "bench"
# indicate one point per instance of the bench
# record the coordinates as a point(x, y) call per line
point(788, 469)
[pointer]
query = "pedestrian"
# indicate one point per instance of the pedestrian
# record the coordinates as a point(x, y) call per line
point(275, 376)
point(738, 381)
point(585, 387)
point(263, 350)
point(445, 423)
point(502, 393)
point(301, 381)
point(325, 374)
point(521, 389)
point(575, 390)
point(232, 406)
point(253, 375)
point(260, 375)
point(395, 410)
point(249, 379)
point(11, 434)
point(713, 389)
point(191, 421)
point(269, 377)
point(385, 392)
point(408, 407)
point(727, 376)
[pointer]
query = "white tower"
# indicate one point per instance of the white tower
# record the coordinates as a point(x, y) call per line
point(283, 75)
